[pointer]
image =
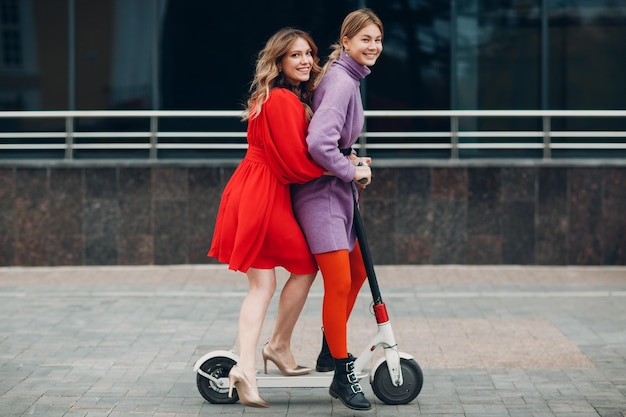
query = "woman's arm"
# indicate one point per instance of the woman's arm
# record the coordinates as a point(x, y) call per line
point(286, 148)
point(326, 127)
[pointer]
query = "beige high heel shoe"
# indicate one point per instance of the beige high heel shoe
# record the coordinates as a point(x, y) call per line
point(247, 395)
point(269, 354)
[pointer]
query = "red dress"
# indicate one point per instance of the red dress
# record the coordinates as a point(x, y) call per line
point(255, 224)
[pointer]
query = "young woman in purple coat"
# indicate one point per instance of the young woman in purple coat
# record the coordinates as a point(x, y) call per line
point(324, 207)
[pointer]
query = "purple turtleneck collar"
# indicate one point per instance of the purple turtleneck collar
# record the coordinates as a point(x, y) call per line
point(353, 68)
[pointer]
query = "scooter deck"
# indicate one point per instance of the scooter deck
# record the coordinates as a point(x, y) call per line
point(274, 379)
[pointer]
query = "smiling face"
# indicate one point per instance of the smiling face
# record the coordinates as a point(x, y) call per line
point(297, 63)
point(366, 46)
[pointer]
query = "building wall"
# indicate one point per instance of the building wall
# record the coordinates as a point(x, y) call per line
point(134, 215)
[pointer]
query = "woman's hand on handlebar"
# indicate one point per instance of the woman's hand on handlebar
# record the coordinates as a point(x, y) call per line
point(363, 175)
point(356, 160)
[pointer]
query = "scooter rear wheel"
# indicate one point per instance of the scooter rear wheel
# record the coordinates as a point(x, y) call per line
point(413, 379)
point(217, 367)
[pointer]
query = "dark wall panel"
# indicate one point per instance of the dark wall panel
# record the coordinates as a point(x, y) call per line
point(425, 215)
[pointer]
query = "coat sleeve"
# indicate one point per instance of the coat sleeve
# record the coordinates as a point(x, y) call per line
point(285, 145)
point(326, 127)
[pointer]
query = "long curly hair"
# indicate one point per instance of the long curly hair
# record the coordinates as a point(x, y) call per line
point(268, 76)
point(352, 24)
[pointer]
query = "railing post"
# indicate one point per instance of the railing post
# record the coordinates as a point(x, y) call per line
point(154, 128)
point(69, 138)
point(363, 143)
point(547, 149)
point(454, 137)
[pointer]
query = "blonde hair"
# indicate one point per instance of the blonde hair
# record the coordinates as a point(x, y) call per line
point(268, 76)
point(353, 23)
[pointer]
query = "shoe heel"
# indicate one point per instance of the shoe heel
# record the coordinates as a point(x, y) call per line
point(247, 395)
point(265, 356)
point(269, 354)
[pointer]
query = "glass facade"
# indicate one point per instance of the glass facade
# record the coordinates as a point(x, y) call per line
point(196, 54)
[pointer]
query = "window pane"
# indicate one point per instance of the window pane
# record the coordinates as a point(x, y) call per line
point(33, 73)
point(412, 73)
point(498, 54)
point(208, 52)
point(114, 71)
point(498, 65)
point(114, 41)
point(33, 55)
point(587, 67)
point(587, 60)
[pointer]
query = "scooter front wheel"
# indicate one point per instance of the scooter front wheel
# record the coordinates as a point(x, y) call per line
point(218, 367)
point(413, 379)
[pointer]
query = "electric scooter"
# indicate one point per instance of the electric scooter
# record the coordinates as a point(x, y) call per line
point(396, 378)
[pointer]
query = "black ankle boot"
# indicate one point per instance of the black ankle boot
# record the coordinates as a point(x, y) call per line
point(325, 361)
point(346, 387)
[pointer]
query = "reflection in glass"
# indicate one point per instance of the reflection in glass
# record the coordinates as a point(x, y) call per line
point(197, 54)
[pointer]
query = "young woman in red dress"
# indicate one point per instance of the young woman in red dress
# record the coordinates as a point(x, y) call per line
point(255, 229)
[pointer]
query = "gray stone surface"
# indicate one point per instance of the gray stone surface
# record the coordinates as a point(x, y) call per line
point(491, 341)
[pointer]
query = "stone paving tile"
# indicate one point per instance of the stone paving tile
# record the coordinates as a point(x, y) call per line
point(491, 341)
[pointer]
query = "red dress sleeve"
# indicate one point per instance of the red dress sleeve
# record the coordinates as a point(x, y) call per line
point(285, 142)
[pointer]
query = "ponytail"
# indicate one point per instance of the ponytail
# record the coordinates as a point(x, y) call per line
point(334, 55)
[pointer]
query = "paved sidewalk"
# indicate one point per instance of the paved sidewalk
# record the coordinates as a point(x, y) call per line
point(491, 341)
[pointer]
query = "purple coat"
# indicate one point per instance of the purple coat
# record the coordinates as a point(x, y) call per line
point(324, 207)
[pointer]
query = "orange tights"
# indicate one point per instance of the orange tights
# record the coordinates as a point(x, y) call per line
point(343, 274)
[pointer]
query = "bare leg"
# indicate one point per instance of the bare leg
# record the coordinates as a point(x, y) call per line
point(253, 309)
point(292, 300)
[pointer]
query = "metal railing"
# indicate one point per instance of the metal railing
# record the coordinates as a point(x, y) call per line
point(35, 133)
